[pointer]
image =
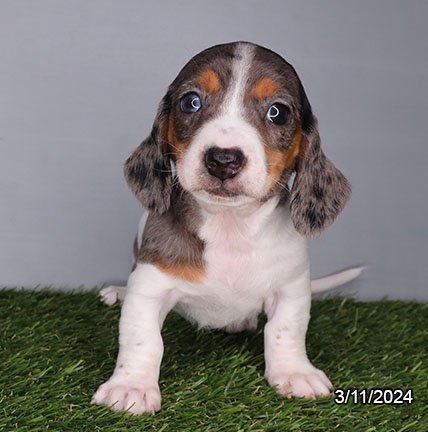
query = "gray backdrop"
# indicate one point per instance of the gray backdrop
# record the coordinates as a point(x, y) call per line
point(79, 85)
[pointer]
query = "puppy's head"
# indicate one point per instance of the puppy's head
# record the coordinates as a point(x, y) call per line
point(236, 123)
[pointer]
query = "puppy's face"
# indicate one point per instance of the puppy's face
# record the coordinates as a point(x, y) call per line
point(236, 123)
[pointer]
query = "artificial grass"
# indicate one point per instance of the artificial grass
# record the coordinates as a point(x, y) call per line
point(56, 348)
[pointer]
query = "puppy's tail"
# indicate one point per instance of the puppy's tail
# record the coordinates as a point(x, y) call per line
point(335, 280)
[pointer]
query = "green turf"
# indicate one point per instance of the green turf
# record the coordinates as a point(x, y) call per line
point(57, 348)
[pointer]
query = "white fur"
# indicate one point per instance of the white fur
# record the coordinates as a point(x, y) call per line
point(335, 280)
point(244, 264)
point(221, 132)
point(233, 102)
point(254, 260)
point(229, 129)
point(134, 383)
point(112, 293)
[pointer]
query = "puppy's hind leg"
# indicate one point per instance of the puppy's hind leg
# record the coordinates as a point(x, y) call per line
point(112, 293)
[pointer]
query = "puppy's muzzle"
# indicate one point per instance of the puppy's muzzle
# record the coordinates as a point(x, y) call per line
point(224, 163)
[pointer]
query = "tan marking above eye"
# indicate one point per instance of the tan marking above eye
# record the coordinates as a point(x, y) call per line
point(209, 81)
point(264, 89)
point(186, 272)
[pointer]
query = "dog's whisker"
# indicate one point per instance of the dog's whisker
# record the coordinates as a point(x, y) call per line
point(163, 170)
point(174, 183)
point(172, 145)
point(283, 186)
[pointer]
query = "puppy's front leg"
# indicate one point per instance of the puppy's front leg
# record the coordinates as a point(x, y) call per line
point(134, 383)
point(287, 365)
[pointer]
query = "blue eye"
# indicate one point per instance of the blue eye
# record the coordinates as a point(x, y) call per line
point(190, 103)
point(278, 114)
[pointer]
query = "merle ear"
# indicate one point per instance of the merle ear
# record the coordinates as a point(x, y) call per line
point(147, 170)
point(320, 190)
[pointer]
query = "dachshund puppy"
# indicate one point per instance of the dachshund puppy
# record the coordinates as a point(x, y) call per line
point(224, 237)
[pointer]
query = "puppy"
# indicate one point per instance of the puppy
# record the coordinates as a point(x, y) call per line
point(224, 237)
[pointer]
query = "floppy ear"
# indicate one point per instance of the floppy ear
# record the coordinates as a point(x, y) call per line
point(147, 170)
point(320, 190)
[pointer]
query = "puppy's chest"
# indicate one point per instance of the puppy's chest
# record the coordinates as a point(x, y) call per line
point(245, 261)
point(237, 255)
point(231, 288)
point(230, 259)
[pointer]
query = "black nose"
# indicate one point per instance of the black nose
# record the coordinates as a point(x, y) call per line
point(224, 163)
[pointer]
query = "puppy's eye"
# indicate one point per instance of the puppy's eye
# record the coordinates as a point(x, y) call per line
point(278, 114)
point(190, 103)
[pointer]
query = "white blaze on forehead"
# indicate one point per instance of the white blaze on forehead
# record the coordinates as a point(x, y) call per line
point(229, 128)
point(233, 101)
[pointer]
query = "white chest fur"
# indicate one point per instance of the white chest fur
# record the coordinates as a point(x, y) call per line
point(248, 258)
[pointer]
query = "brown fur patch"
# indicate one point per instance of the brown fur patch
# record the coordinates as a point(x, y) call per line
point(176, 147)
point(209, 81)
point(186, 272)
point(264, 89)
point(279, 161)
point(303, 145)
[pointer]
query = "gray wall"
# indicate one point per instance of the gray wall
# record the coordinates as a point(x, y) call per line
point(79, 85)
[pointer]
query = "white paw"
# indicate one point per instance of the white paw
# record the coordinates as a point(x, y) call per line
point(112, 293)
point(307, 382)
point(127, 395)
